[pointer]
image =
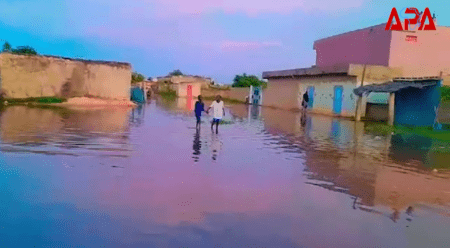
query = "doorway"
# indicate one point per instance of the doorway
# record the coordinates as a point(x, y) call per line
point(337, 103)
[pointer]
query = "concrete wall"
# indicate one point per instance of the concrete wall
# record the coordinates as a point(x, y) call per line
point(287, 93)
point(282, 93)
point(181, 89)
point(36, 76)
point(232, 93)
point(377, 112)
point(324, 93)
point(427, 57)
point(364, 46)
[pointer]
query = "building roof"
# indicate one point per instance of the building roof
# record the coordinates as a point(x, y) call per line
point(397, 84)
point(349, 32)
point(305, 72)
point(112, 63)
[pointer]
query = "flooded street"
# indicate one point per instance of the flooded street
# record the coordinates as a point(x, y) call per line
point(147, 178)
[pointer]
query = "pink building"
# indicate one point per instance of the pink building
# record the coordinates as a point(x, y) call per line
point(416, 53)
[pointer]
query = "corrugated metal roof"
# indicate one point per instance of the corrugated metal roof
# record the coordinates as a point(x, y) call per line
point(396, 85)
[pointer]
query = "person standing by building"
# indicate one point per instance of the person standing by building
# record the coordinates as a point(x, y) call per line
point(305, 101)
point(219, 112)
point(199, 108)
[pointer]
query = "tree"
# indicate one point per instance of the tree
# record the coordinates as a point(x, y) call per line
point(24, 50)
point(137, 77)
point(243, 81)
point(6, 47)
point(176, 73)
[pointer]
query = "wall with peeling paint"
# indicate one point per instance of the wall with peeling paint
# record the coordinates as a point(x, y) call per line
point(44, 76)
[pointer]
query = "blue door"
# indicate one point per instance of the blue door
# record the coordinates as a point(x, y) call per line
point(337, 104)
point(311, 96)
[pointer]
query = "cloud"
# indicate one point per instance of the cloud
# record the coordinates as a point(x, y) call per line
point(255, 7)
point(246, 45)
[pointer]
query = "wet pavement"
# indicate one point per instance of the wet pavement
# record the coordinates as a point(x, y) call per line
point(147, 178)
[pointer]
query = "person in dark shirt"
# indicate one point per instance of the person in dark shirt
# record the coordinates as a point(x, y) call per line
point(305, 100)
point(305, 106)
point(199, 108)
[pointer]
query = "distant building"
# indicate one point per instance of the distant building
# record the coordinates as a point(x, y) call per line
point(184, 85)
point(367, 56)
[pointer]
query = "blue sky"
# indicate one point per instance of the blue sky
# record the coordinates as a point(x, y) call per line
point(215, 38)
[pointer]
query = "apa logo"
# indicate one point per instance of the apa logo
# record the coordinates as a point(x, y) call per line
point(419, 19)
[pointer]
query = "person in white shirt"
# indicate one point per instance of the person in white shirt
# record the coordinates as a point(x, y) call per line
point(218, 113)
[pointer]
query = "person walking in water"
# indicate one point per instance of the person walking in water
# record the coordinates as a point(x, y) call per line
point(219, 112)
point(199, 108)
point(305, 106)
point(305, 101)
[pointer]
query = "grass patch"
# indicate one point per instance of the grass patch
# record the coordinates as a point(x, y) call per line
point(383, 129)
point(227, 100)
point(224, 122)
point(168, 94)
point(34, 100)
point(445, 93)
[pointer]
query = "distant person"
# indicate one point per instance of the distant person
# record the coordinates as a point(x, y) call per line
point(199, 108)
point(219, 112)
point(305, 101)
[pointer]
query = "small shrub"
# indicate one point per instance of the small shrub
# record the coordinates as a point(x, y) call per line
point(445, 93)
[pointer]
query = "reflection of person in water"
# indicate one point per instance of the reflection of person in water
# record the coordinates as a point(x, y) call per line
point(395, 216)
point(197, 146)
point(216, 145)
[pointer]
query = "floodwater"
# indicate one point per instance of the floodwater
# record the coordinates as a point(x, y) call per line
point(147, 178)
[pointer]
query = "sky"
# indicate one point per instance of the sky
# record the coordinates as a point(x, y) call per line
point(213, 38)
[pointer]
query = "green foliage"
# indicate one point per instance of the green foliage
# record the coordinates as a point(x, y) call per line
point(176, 73)
point(6, 47)
point(244, 81)
point(445, 93)
point(227, 100)
point(137, 77)
point(34, 100)
point(383, 129)
point(169, 93)
point(27, 50)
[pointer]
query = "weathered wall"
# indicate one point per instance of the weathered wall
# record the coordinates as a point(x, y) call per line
point(36, 76)
point(282, 93)
point(287, 93)
point(427, 57)
point(364, 46)
point(233, 93)
point(181, 89)
point(377, 112)
point(324, 93)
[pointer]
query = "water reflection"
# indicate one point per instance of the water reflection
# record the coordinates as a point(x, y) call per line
point(197, 145)
point(329, 183)
point(216, 145)
point(405, 148)
point(59, 130)
point(138, 115)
